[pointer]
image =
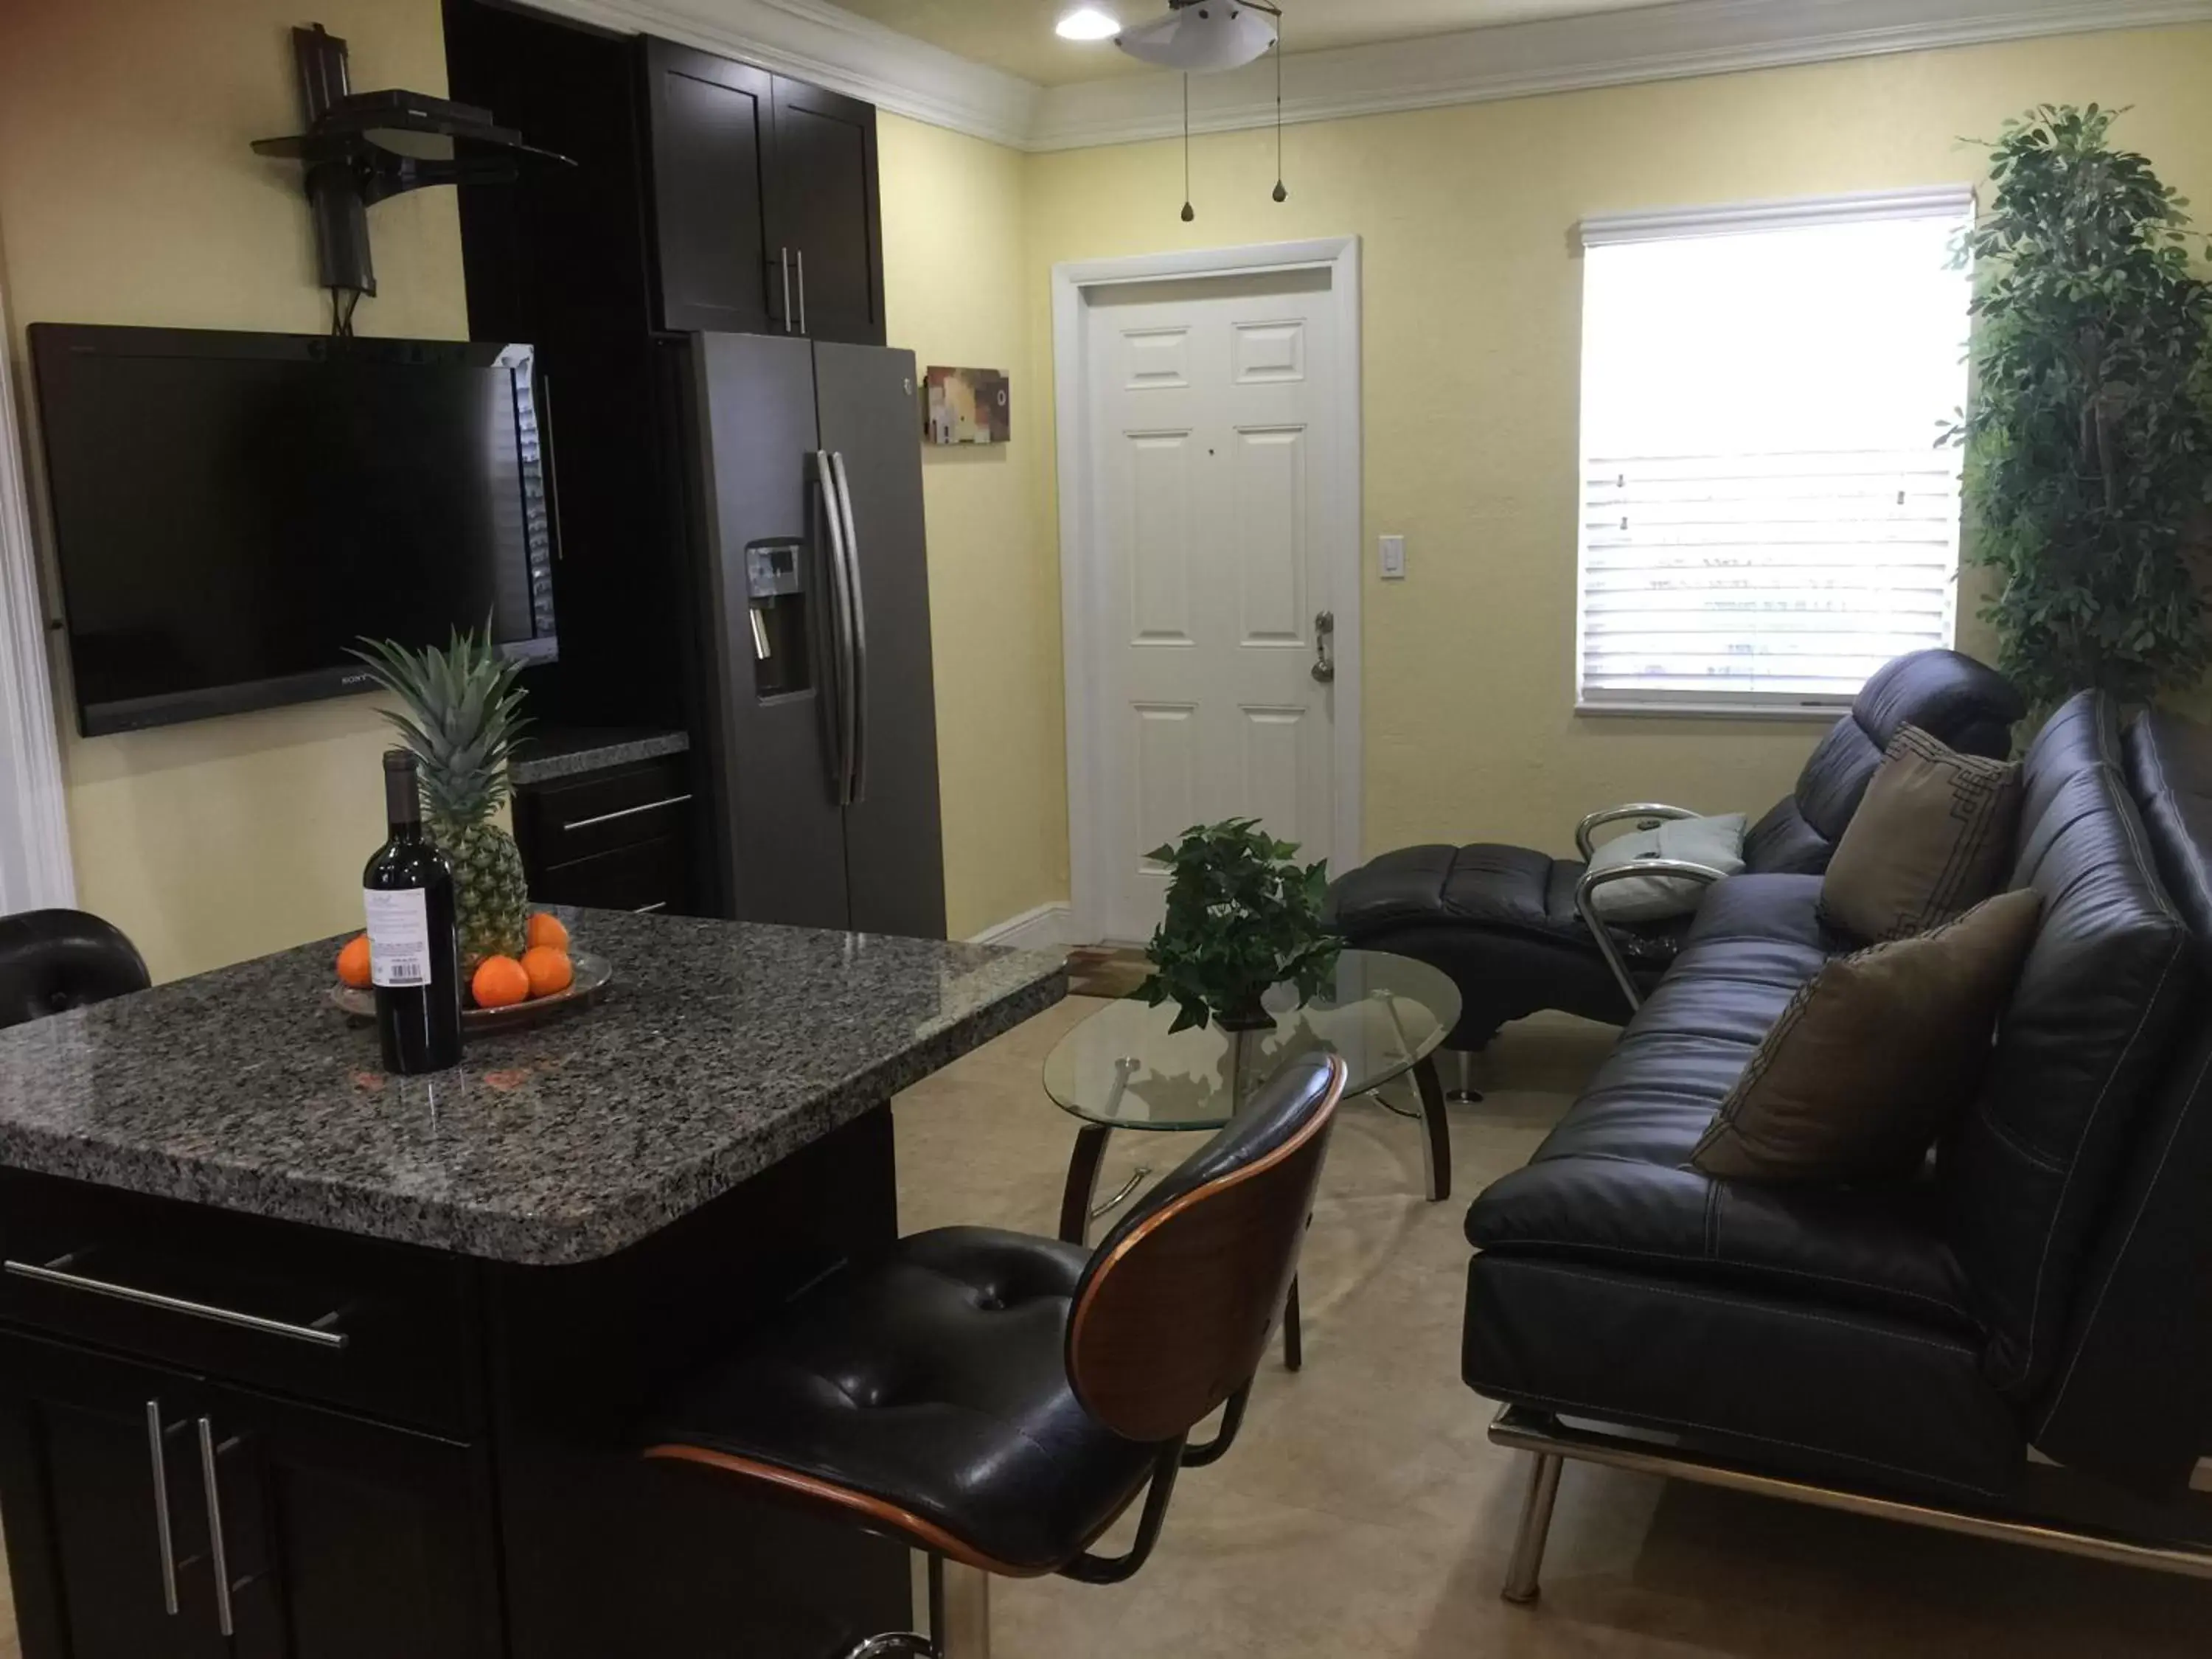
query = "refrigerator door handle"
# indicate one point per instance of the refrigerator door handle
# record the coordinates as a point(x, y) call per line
point(859, 763)
point(840, 627)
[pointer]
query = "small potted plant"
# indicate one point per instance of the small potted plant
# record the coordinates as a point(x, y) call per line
point(1242, 917)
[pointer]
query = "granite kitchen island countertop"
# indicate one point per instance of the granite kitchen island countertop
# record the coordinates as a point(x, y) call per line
point(722, 1049)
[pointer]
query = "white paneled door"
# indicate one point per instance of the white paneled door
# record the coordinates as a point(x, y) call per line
point(1212, 420)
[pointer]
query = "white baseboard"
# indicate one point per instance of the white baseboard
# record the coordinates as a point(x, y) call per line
point(1048, 928)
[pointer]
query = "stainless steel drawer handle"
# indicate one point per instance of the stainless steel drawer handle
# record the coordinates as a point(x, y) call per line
point(647, 909)
point(627, 812)
point(161, 1531)
point(319, 1334)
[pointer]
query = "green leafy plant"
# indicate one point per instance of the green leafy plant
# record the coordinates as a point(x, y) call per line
point(2089, 443)
point(1243, 917)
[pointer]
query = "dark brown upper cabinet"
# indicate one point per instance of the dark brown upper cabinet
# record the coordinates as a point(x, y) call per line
point(824, 206)
point(712, 125)
point(765, 210)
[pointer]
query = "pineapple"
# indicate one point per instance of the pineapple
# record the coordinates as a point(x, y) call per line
point(463, 717)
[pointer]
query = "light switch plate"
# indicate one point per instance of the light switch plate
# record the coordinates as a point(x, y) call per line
point(1393, 558)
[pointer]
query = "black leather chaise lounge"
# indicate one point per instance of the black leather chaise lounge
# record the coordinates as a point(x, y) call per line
point(1898, 1347)
point(1504, 922)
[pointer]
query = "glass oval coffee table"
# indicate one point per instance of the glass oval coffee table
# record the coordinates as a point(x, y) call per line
point(1124, 1068)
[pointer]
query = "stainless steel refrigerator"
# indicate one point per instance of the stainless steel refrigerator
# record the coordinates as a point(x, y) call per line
point(803, 475)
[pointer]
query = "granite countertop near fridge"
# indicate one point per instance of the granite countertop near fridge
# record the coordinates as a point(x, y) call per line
point(570, 752)
point(722, 1048)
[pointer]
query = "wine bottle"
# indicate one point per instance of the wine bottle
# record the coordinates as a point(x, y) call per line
point(414, 947)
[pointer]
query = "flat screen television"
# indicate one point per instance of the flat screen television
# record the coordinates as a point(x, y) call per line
point(233, 511)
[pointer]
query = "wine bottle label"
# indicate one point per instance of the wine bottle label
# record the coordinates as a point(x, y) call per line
point(398, 937)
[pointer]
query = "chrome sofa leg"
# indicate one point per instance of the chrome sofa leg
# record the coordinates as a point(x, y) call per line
point(1462, 1092)
point(1520, 1578)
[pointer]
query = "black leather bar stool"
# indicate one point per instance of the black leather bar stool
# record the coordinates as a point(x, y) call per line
point(997, 1400)
point(52, 961)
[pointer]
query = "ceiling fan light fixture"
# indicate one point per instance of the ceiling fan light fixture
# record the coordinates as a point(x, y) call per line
point(1087, 23)
point(1201, 37)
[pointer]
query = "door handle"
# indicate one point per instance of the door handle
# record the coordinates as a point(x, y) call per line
point(786, 253)
point(859, 601)
point(841, 631)
point(802, 290)
point(156, 1454)
point(1324, 668)
point(218, 1551)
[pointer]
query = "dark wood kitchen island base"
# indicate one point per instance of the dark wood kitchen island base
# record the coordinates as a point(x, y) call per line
point(224, 1432)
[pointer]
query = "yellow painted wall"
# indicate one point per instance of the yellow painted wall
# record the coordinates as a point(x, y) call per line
point(128, 195)
point(954, 228)
point(1472, 341)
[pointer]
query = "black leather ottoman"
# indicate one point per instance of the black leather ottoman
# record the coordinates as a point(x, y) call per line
point(1502, 920)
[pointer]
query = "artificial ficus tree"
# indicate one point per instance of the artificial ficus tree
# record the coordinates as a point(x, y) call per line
point(2089, 440)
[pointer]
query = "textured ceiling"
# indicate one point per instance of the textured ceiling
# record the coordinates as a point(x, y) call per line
point(1017, 35)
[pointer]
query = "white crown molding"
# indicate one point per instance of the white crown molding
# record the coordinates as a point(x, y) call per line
point(836, 48)
point(824, 44)
point(1563, 54)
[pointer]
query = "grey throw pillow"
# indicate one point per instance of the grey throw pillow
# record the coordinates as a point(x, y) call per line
point(1933, 837)
point(1717, 842)
point(1871, 1058)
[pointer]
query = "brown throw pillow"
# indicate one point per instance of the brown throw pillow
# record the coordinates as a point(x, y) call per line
point(1872, 1057)
point(1932, 838)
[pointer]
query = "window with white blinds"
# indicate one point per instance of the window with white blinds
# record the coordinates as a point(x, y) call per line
point(1767, 516)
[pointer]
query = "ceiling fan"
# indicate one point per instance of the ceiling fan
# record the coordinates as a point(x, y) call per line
point(1199, 37)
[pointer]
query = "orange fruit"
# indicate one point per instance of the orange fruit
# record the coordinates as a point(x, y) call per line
point(550, 969)
point(500, 982)
point(353, 962)
point(545, 929)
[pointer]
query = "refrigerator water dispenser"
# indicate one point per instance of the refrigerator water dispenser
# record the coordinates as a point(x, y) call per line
point(776, 592)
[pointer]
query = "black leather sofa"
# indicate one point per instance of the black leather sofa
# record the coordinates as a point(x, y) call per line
point(1502, 921)
point(2046, 1282)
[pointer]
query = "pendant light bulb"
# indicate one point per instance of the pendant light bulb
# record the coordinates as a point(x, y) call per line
point(1189, 213)
point(1087, 23)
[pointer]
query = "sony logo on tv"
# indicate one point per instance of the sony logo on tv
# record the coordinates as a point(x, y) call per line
point(360, 678)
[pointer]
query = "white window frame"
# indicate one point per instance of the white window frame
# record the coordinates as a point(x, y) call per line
point(35, 868)
point(1600, 230)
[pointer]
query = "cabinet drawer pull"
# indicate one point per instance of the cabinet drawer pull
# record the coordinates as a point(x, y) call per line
point(319, 1335)
point(161, 1531)
point(627, 812)
point(647, 909)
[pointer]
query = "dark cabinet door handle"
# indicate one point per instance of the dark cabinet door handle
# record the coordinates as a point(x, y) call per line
point(218, 1551)
point(317, 1333)
point(786, 252)
point(162, 1534)
point(802, 290)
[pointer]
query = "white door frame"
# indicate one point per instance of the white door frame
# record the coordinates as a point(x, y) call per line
point(34, 848)
point(1090, 852)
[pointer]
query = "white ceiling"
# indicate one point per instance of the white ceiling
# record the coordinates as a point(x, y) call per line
point(1017, 35)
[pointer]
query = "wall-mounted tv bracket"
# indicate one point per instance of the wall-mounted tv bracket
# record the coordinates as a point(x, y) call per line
point(361, 147)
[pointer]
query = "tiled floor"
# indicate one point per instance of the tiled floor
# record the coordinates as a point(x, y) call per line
point(1363, 1513)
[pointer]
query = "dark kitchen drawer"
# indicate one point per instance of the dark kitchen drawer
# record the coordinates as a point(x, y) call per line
point(558, 823)
point(649, 876)
point(399, 1315)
